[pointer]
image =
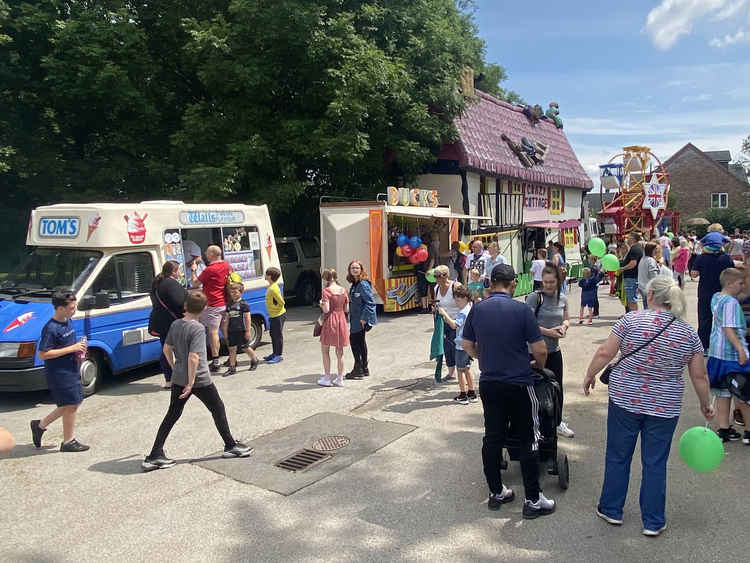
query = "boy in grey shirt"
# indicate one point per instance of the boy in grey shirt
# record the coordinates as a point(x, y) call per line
point(185, 350)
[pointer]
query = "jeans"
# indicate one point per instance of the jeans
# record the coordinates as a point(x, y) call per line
point(209, 396)
point(277, 334)
point(359, 349)
point(449, 346)
point(166, 369)
point(623, 428)
point(517, 404)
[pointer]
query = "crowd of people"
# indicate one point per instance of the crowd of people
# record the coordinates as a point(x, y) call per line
point(479, 320)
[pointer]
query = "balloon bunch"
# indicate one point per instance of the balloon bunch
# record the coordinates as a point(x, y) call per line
point(411, 248)
point(598, 248)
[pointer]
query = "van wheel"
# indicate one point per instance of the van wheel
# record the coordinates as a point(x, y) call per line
point(305, 292)
point(92, 372)
point(256, 331)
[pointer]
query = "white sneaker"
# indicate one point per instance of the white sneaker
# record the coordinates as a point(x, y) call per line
point(325, 381)
point(654, 533)
point(338, 382)
point(539, 508)
point(564, 430)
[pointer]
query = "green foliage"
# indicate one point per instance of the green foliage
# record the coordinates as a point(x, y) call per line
point(275, 102)
point(729, 218)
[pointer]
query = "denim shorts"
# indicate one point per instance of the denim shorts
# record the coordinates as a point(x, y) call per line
point(631, 290)
point(463, 360)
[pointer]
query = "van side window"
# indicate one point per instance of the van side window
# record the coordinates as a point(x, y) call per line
point(125, 277)
point(310, 247)
point(242, 250)
point(287, 252)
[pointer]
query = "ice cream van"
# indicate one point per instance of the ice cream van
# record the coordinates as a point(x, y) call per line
point(109, 254)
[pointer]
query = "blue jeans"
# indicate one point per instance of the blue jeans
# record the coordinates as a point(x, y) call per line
point(656, 433)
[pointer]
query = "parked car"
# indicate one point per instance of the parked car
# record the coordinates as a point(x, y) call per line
point(300, 267)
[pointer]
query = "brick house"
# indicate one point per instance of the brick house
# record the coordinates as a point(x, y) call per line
point(703, 180)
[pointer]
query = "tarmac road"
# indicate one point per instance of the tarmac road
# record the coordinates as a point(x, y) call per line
point(422, 497)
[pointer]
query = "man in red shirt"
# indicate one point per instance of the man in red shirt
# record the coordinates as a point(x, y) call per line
point(213, 280)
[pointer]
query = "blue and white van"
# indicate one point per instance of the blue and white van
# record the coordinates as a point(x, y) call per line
point(109, 254)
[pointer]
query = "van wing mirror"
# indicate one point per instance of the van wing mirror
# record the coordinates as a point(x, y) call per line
point(101, 300)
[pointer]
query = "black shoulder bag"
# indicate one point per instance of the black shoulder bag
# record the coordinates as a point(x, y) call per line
point(604, 377)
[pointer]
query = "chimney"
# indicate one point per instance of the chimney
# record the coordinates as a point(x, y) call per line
point(467, 82)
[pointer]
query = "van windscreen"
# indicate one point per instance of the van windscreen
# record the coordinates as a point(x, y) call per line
point(45, 269)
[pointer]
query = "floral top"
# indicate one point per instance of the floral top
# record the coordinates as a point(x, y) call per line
point(650, 381)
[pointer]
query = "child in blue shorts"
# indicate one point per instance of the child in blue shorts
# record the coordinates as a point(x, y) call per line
point(61, 355)
point(727, 350)
point(462, 297)
point(589, 285)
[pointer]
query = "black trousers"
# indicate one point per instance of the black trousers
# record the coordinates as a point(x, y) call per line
point(449, 346)
point(518, 406)
point(705, 320)
point(209, 396)
point(277, 334)
point(555, 365)
point(359, 349)
point(166, 369)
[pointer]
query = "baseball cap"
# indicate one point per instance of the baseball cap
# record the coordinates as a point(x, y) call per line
point(503, 273)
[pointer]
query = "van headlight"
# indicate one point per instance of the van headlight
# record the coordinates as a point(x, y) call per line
point(17, 349)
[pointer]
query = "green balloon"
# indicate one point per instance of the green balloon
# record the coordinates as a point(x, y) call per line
point(430, 276)
point(597, 247)
point(701, 449)
point(610, 262)
point(670, 235)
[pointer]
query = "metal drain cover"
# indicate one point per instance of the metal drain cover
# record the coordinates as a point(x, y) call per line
point(302, 460)
point(330, 443)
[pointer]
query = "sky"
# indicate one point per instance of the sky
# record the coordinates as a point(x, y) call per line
point(659, 73)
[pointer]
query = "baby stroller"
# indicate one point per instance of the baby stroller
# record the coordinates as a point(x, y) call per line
point(550, 414)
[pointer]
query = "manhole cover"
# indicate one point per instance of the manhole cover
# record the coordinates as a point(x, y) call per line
point(303, 459)
point(330, 443)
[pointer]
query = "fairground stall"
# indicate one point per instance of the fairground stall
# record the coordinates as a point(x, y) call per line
point(391, 237)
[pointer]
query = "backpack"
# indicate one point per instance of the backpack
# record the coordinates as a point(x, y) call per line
point(539, 301)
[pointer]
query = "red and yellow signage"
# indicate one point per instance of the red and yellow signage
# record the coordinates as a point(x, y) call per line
point(376, 251)
point(412, 197)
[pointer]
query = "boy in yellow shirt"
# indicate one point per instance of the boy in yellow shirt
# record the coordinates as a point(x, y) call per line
point(275, 305)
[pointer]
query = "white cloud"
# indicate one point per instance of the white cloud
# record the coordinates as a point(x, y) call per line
point(741, 36)
point(698, 98)
point(672, 19)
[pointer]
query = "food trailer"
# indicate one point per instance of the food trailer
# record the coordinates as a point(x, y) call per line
point(369, 231)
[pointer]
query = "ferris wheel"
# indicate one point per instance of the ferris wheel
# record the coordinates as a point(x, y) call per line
point(641, 186)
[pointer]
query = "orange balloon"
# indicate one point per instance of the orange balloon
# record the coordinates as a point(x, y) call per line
point(6, 440)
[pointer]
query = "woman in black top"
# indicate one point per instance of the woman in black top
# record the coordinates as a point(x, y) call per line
point(167, 300)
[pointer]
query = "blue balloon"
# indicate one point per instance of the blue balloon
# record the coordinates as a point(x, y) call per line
point(415, 242)
point(402, 240)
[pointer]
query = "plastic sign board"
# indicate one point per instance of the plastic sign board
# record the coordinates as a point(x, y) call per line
point(654, 196)
point(59, 227)
point(220, 216)
point(412, 197)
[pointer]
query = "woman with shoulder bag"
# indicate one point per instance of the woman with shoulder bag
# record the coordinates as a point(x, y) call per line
point(645, 397)
point(550, 307)
point(167, 301)
point(334, 330)
point(444, 298)
point(361, 317)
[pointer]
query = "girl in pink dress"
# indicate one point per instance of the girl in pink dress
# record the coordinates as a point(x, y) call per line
point(335, 331)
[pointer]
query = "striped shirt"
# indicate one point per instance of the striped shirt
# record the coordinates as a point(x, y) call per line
point(727, 313)
point(650, 381)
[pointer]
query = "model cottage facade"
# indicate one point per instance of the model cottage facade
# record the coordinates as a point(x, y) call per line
point(515, 166)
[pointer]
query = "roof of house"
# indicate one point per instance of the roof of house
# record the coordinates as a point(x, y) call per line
point(481, 147)
point(705, 155)
point(595, 200)
point(719, 156)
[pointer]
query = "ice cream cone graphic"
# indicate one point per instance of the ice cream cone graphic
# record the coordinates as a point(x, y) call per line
point(19, 321)
point(269, 246)
point(136, 227)
point(93, 225)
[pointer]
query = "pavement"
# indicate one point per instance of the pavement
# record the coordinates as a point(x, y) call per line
point(422, 497)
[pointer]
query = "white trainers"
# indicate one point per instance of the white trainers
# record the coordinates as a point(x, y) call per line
point(564, 430)
point(338, 382)
point(325, 381)
point(654, 533)
point(541, 507)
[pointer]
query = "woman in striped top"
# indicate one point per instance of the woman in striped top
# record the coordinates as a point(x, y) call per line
point(645, 397)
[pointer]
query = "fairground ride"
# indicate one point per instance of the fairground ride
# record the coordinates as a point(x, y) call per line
point(640, 184)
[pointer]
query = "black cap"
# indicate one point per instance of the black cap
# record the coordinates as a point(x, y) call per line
point(503, 273)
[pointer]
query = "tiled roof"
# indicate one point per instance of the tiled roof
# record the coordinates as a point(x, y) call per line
point(481, 147)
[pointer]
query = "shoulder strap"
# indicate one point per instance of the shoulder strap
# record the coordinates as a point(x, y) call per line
point(156, 292)
point(649, 341)
point(539, 301)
